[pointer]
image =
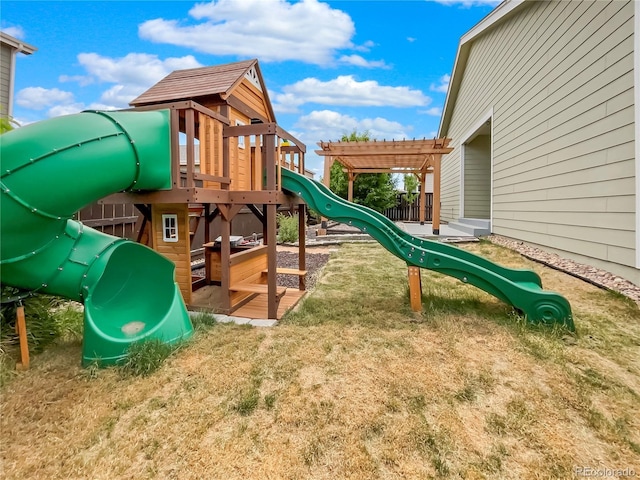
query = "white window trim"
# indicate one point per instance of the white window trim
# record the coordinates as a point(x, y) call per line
point(241, 143)
point(166, 235)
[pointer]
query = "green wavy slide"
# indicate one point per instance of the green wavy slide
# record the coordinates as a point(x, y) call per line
point(520, 288)
point(49, 171)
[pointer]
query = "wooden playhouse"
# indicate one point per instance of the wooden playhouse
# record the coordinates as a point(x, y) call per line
point(233, 153)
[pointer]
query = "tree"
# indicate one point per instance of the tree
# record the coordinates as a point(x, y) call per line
point(411, 186)
point(373, 190)
point(7, 124)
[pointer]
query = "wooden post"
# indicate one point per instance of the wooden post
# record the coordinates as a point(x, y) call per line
point(302, 241)
point(207, 239)
point(21, 330)
point(436, 194)
point(352, 178)
point(272, 209)
point(301, 163)
point(190, 126)
point(174, 119)
point(326, 180)
point(423, 196)
point(225, 261)
point(257, 165)
point(415, 289)
point(226, 153)
point(280, 160)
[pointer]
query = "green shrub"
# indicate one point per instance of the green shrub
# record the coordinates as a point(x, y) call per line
point(48, 318)
point(203, 320)
point(145, 357)
point(287, 228)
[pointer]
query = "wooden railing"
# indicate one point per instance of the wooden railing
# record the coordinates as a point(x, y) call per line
point(238, 157)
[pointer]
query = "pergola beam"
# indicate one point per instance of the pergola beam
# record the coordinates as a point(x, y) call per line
point(415, 171)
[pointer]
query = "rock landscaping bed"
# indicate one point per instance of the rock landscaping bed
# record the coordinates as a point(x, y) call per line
point(596, 276)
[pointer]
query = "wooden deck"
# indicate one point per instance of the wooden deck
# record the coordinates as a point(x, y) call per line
point(257, 308)
point(208, 298)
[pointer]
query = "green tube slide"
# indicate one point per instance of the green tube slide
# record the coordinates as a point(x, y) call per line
point(517, 287)
point(49, 171)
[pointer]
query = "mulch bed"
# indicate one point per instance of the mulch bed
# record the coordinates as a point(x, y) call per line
point(314, 262)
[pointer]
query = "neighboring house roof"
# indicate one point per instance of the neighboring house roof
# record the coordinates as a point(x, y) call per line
point(205, 81)
point(496, 16)
point(19, 45)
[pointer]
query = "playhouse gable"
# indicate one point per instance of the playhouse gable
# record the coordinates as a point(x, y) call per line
point(239, 85)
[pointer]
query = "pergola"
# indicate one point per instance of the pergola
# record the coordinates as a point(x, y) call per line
point(417, 157)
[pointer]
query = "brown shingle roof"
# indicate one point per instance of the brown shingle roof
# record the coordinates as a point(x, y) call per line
point(195, 82)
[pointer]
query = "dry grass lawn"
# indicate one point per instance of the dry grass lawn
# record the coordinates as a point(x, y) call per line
point(352, 385)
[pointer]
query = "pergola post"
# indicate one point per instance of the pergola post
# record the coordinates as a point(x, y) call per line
point(423, 197)
point(328, 163)
point(437, 160)
point(352, 178)
point(326, 180)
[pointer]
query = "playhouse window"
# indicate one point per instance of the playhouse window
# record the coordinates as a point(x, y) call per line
point(241, 138)
point(170, 227)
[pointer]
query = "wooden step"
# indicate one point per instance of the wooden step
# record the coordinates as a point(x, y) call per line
point(288, 271)
point(256, 288)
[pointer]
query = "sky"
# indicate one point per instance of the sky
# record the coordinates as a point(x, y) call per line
point(330, 67)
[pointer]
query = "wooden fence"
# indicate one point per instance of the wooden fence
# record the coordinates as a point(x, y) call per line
point(409, 212)
point(118, 219)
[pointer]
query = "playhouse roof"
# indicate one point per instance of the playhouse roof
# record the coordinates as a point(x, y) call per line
point(202, 82)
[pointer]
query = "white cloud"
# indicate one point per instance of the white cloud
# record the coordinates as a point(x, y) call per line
point(359, 61)
point(129, 75)
point(140, 69)
point(443, 86)
point(411, 39)
point(365, 47)
point(38, 98)
point(272, 30)
point(330, 125)
point(66, 109)
point(433, 111)
point(345, 90)
point(120, 95)
point(469, 3)
point(15, 31)
point(82, 80)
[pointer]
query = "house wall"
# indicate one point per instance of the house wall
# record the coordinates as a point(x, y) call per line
point(559, 79)
point(477, 177)
point(6, 60)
